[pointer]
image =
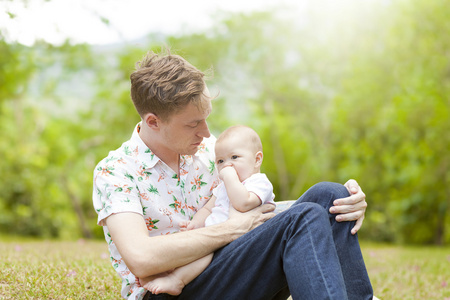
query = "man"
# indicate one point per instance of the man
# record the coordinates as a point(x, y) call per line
point(166, 172)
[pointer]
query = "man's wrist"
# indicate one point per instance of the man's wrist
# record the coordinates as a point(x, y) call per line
point(233, 229)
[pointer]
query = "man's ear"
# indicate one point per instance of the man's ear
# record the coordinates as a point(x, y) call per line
point(152, 121)
point(259, 159)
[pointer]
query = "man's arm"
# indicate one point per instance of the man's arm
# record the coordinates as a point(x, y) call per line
point(147, 256)
point(351, 208)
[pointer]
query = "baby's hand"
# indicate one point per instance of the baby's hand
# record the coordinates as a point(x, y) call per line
point(184, 225)
point(228, 170)
point(187, 225)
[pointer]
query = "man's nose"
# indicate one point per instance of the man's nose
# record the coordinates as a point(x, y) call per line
point(204, 130)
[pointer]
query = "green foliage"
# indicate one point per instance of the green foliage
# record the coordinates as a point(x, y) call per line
point(398, 139)
point(355, 95)
point(37, 154)
point(371, 104)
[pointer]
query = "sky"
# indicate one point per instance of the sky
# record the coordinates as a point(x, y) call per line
point(84, 20)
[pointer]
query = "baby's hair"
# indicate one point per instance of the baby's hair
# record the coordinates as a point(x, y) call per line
point(251, 135)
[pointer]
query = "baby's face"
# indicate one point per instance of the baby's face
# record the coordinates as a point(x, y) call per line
point(236, 153)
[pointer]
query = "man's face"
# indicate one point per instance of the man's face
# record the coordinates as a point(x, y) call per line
point(184, 131)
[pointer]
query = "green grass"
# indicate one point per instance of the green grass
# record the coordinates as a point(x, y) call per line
point(82, 270)
point(57, 270)
point(398, 272)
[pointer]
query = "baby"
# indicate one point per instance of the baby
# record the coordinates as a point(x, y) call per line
point(238, 159)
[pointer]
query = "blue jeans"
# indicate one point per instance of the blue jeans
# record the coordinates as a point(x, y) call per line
point(302, 251)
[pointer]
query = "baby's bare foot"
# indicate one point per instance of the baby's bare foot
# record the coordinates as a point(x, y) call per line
point(168, 284)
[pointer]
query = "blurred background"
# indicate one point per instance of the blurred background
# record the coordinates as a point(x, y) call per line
point(337, 90)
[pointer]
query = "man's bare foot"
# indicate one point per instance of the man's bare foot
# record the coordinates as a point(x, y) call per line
point(168, 283)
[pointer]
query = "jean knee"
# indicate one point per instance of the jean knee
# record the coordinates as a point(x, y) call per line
point(315, 210)
point(332, 190)
point(324, 193)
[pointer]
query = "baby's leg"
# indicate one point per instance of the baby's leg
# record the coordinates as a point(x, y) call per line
point(173, 283)
point(166, 283)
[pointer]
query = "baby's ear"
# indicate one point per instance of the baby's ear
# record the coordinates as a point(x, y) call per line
point(259, 159)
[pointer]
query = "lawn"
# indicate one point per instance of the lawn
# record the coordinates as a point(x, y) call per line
point(81, 270)
point(57, 270)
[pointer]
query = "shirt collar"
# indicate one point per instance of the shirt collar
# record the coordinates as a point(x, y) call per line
point(146, 155)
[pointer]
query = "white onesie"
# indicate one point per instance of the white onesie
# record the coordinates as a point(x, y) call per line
point(257, 183)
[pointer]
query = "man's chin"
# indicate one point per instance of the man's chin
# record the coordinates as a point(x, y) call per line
point(191, 151)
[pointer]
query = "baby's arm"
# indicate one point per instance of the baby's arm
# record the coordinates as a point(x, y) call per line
point(241, 199)
point(200, 216)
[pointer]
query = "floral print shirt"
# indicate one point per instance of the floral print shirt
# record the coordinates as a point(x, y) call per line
point(133, 179)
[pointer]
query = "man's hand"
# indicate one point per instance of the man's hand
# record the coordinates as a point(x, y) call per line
point(247, 221)
point(351, 208)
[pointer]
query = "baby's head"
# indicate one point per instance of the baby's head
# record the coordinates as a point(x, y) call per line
point(239, 147)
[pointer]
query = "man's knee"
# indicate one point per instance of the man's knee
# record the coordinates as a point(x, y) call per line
point(314, 210)
point(337, 190)
point(324, 193)
point(308, 216)
point(329, 190)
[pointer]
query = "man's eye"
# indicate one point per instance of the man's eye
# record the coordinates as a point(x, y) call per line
point(220, 161)
point(234, 157)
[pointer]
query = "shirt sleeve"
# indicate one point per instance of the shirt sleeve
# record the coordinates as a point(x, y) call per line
point(114, 191)
point(261, 186)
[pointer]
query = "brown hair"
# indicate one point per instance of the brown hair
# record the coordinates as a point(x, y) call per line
point(164, 83)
